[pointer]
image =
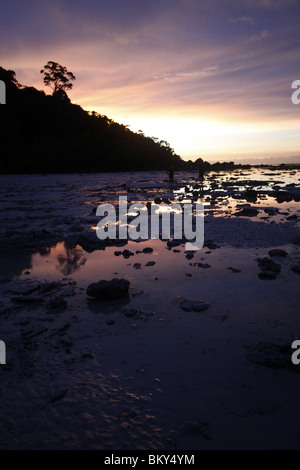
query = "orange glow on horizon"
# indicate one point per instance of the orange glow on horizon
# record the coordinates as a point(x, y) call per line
point(213, 138)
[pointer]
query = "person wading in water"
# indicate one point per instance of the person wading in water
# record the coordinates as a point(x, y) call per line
point(171, 174)
point(201, 174)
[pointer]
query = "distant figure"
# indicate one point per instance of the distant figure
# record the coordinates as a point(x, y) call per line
point(201, 174)
point(171, 174)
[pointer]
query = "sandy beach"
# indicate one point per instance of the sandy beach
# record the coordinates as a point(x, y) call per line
point(196, 356)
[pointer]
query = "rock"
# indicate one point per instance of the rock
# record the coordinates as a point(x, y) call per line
point(211, 245)
point(296, 268)
point(250, 195)
point(202, 265)
point(271, 210)
point(114, 289)
point(126, 253)
point(282, 196)
point(173, 243)
point(166, 200)
point(192, 305)
point(247, 212)
point(278, 252)
point(234, 270)
point(137, 265)
point(267, 264)
point(292, 217)
point(89, 241)
point(189, 255)
point(148, 249)
point(150, 263)
point(271, 355)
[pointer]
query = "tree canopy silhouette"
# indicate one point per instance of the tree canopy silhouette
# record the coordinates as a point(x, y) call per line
point(9, 77)
point(44, 134)
point(49, 134)
point(58, 78)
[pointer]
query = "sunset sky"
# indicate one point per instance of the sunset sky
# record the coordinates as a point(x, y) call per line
point(211, 77)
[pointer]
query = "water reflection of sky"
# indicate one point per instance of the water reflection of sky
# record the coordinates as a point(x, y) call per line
point(65, 205)
point(228, 206)
point(60, 262)
point(241, 181)
point(223, 193)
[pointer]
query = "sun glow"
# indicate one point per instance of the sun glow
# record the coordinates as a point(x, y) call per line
point(192, 137)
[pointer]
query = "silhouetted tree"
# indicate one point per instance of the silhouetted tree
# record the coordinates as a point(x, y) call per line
point(49, 134)
point(9, 77)
point(58, 78)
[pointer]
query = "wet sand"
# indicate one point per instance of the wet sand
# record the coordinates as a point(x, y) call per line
point(143, 372)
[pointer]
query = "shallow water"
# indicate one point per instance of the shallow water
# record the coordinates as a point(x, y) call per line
point(35, 208)
point(55, 202)
point(83, 374)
